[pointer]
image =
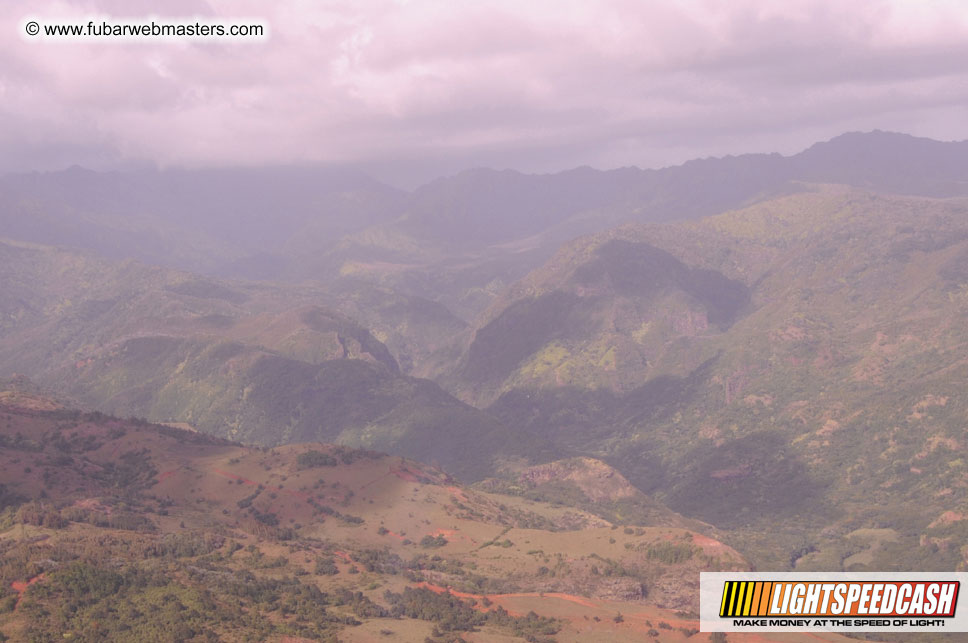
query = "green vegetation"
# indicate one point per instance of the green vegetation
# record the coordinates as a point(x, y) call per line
point(671, 553)
point(452, 614)
point(325, 566)
point(314, 458)
point(818, 403)
point(88, 601)
point(433, 542)
point(787, 373)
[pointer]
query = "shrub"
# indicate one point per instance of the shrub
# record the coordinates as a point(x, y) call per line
point(311, 459)
point(432, 542)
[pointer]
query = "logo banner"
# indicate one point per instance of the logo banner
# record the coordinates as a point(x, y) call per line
point(832, 602)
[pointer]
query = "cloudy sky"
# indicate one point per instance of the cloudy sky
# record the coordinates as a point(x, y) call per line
point(412, 88)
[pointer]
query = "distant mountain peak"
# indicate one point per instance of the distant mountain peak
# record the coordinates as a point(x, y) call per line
point(876, 139)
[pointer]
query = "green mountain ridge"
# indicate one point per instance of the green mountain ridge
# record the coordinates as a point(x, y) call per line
point(614, 313)
point(789, 373)
point(240, 360)
point(829, 403)
point(458, 240)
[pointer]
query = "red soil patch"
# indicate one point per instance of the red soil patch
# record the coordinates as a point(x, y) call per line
point(21, 586)
point(477, 597)
point(706, 542)
point(712, 547)
point(403, 472)
point(458, 493)
point(451, 535)
point(947, 518)
point(446, 533)
point(165, 475)
point(634, 621)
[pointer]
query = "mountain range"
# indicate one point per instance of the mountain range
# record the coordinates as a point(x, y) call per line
point(765, 351)
point(457, 240)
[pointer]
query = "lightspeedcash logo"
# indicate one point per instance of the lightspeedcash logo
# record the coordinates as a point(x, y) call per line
point(765, 598)
point(832, 602)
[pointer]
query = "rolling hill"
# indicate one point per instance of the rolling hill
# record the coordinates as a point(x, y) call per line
point(124, 529)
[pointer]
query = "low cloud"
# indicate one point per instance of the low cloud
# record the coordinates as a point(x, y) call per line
point(444, 85)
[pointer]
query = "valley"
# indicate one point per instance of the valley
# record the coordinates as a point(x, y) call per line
point(499, 406)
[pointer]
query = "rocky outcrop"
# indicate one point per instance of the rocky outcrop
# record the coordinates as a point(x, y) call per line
point(597, 480)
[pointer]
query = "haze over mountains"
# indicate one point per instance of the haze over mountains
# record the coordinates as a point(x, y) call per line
point(768, 349)
point(479, 226)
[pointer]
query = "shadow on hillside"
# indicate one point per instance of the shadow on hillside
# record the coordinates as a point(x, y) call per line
point(744, 480)
point(582, 421)
point(735, 483)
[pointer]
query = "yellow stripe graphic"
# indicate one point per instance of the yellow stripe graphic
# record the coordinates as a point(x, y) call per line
point(747, 598)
